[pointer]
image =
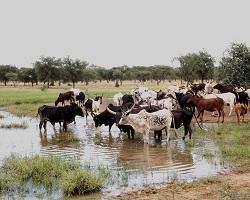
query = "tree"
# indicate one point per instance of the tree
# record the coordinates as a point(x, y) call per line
point(12, 76)
point(205, 66)
point(235, 65)
point(73, 70)
point(117, 75)
point(88, 75)
point(48, 69)
point(161, 73)
point(4, 69)
point(27, 75)
point(187, 67)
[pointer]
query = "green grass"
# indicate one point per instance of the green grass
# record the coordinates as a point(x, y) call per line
point(233, 141)
point(25, 100)
point(52, 173)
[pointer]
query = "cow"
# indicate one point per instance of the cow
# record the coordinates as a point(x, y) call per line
point(208, 88)
point(213, 104)
point(75, 90)
point(181, 117)
point(80, 98)
point(183, 101)
point(93, 105)
point(242, 97)
point(65, 96)
point(228, 97)
point(160, 95)
point(59, 115)
point(224, 88)
point(118, 99)
point(198, 87)
point(240, 110)
point(133, 109)
point(126, 98)
point(107, 117)
point(143, 122)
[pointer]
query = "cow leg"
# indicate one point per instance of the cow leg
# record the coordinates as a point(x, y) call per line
point(223, 115)
point(40, 124)
point(44, 124)
point(65, 126)
point(133, 134)
point(146, 136)
point(128, 133)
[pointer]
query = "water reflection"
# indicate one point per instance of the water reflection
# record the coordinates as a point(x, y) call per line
point(132, 164)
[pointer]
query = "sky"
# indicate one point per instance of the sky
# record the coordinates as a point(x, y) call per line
point(112, 33)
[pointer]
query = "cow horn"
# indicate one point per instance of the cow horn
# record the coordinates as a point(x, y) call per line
point(130, 109)
point(111, 111)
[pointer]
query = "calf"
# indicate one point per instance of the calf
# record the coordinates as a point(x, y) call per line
point(80, 98)
point(211, 105)
point(93, 106)
point(65, 96)
point(240, 110)
point(54, 115)
point(143, 122)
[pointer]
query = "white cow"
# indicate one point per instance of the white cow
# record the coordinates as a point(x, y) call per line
point(118, 98)
point(174, 88)
point(76, 91)
point(208, 88)
point(145, 122)
point(229, 98)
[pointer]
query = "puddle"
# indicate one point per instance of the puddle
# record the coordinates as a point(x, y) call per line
point(133, 164)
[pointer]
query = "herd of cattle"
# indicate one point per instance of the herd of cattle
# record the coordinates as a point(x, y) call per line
point(144, 110)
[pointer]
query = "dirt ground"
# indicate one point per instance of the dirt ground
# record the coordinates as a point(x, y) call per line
point(233, 185)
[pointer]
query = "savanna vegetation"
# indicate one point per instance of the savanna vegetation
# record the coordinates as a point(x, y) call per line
point(24, 90)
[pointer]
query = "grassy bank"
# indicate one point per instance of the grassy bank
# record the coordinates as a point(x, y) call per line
point(233, 141)
point(52, 173)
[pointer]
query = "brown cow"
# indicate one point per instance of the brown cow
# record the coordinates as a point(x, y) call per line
point(240, 110)
point(65, 96)
point(211, 105)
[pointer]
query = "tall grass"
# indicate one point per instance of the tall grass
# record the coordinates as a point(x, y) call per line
point(51, 173)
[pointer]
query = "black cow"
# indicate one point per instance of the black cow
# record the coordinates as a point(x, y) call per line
point(182, 99)
point(242, 97)
point(181, 117)
point(127, 128)
point(54, 115)
point(80, 98)
point(126, 98)
point(224, 88)
point(108, 119)
point(198, 87)
point(160, 95)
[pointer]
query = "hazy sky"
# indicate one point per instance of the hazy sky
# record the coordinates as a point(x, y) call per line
point(111, 33)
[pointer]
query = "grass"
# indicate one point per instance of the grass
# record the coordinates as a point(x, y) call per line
point(51, 173)
point(25, 100)
point(14, 125)
point(233, 141)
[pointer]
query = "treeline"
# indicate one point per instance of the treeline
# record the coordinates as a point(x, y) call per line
point(233, 68)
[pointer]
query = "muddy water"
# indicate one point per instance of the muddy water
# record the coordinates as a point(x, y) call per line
point(133, 165)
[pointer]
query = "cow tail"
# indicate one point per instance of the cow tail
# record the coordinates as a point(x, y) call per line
point(173, 123)
point(199, 123)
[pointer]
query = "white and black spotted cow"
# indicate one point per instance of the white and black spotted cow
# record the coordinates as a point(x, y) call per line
point(145, 122)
